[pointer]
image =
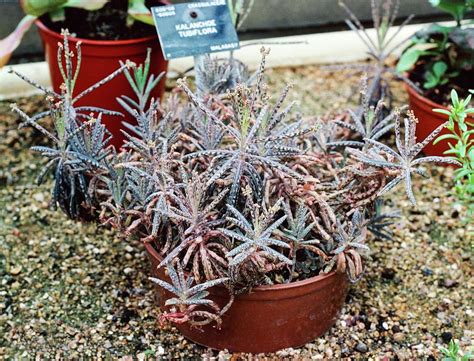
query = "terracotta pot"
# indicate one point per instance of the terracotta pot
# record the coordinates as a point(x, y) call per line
point(271, 317)
point(428, 121)
point(99, 59)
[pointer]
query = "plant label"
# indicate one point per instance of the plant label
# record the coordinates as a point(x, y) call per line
point(195, 28)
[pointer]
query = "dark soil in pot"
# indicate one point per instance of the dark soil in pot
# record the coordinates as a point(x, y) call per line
point(441, 93)
point(269, 318)
point(108, 23)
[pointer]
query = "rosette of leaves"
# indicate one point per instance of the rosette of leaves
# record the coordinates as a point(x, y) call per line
point(296, 234)
point(402, 164)
point(202, 245)
point(214, 76)
point(216, 212)
point(367, 122)
point(349, 247)
point(256, 137)
point(189, 302)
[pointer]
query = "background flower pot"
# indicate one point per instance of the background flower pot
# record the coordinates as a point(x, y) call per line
point(99, 59)
point(428, 121)
point(271, 317)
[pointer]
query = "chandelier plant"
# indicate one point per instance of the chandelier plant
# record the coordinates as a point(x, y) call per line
point(230, 185)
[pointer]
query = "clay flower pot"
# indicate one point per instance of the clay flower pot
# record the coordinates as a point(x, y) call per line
point(271, 317)
point(99, 59)
point(428, 121)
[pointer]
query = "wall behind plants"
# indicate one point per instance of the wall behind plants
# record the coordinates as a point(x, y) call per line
point(269, 18)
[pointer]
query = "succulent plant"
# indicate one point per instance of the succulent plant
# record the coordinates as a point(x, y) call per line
point(350, 238)
point(379, 222)
point(402, 163)
point(256, 136)
point(384, 14)
point(368, 121)
point(189, 299)
point(79, 150)
point(249, 195)
point(461, 148)
point(441, 57)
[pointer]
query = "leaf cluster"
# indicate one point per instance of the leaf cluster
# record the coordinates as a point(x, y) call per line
point(461, 148)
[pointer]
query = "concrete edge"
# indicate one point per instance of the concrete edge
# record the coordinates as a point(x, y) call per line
point(332, 47)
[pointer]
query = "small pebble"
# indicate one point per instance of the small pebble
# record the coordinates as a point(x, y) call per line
point(15, 270)
point(427, 271)
point(449, 283)
point(361, 347)
point(399, 337)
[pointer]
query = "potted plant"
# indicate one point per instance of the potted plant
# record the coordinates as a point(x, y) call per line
point(110, 31)
point(254, 220)
point(438, 59)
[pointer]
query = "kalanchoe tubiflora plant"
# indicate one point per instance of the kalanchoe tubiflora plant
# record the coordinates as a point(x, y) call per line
point(78, 154)
point(270, 201)
point(380, 48)
point(367, 121)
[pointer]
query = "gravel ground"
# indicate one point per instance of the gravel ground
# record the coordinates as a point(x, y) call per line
point(73, 290)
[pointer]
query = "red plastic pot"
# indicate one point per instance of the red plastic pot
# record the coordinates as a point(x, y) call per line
point(428, 121)
point(271, 317)
point(99, 59)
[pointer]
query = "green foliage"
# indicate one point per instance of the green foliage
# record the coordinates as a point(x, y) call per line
point(41, 7)
point(442, 52)
point(461, 148)
point(457, 8)
point(453, 353)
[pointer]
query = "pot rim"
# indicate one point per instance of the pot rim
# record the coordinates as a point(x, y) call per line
point(92, 42)
point(259, 289)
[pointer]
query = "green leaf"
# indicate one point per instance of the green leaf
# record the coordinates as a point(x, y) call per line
point(451, 151)
point(41, 7)
point(445, 136)
point(454, 97)
point(408, 59)
point(439, 68)
point(456, 8)
point(442, 111)
point(137, 10)
point(431, 81)
point(90, 5)
point(463, 173)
